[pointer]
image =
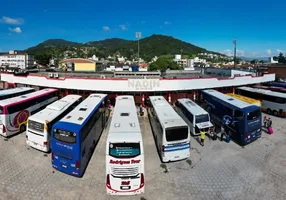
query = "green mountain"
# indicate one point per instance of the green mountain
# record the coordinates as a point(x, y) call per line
point(154, 45)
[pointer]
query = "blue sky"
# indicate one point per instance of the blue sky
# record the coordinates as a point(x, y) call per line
point(258, 26)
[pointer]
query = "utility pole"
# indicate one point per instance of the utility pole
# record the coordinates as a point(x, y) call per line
point(138, 36)
point(234, 57)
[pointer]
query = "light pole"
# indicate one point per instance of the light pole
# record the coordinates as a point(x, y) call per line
point(234, 57)
point(138, 36)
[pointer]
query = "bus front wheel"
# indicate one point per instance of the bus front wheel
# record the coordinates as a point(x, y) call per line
point(269, 111)
point(22, 128)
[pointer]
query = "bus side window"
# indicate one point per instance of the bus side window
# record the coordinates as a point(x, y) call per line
point(238, 114)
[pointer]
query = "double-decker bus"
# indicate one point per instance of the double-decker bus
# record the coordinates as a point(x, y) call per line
point(274, 103)
point(242, 120)
point(14, 112)
point(40, 124)
point(272, 88)
point(124, 150)
point(195, 116)
point(75, 136)
point(171, 132)
point(14, 92)
point(245, 99)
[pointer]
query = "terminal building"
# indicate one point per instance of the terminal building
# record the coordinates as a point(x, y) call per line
point(172, 86)
point(14, 59)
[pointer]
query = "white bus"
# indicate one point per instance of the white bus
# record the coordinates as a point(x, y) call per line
point(195, 116)
point(124, 150)
point(171, 132)
point(273, 103)
point(39, 125)
point(14, 92)
point(14, 112)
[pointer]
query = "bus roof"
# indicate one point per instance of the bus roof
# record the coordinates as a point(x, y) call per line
point(124, 125)
point(54, 109)
point(15, 90)
point(262, 91)
point(243, 98)
point(20, 99)
point(81, 113)
point(167, 116)
point(234, 102)
point(192, 107)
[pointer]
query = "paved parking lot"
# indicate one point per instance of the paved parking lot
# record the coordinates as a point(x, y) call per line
point(216, 171)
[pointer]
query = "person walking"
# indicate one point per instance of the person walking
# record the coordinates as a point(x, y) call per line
point(222, 132)
point(203, 133)
point(264, 121)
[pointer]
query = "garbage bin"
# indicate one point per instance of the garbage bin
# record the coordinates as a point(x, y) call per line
point(227, 138)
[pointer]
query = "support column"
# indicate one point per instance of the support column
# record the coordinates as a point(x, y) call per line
point(67, 92)
point(169, 97)
point(194, 95)
point(3, 84)
point(14, 85)
point(143, 99)
point(233, 90)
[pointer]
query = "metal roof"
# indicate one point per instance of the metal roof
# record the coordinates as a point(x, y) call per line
point(192, 107)
point(262, 91)
point(25, 97)
point(15, 90)
point(84, 109)
point(227, 99)
point(55, 109)
point(167, 116)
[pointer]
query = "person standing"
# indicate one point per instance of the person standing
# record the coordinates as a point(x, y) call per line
point(222, 132)
point(264, 121)
point(203, 133)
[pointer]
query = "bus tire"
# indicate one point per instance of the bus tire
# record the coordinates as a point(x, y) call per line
point(275, 113)
point(269, 111)
point(22, 128)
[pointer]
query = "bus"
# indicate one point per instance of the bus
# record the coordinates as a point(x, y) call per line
point(75, 136)
point(245, 99)
point(272, 88)
point(195, 116)
point(170, 131)
point(242, 120)
point(40, 124)
point(124, 150)
point(14, 92)
point(14, 112)
point(277, 84)
point(274, 103)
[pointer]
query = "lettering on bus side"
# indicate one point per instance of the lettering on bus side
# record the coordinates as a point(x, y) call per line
point(124, 162)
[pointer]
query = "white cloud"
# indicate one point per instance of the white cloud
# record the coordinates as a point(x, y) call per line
point(106, 28)
point(9, 20)
point(279, 51)
point(16, 30)
point(123, 27)
point(240, 52)
point(227, 52)
point(167, 22)
point(268, 52)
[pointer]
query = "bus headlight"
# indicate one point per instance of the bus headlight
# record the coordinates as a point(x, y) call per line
point(55, 130)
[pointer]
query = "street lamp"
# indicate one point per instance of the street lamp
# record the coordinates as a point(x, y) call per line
point(138, 36)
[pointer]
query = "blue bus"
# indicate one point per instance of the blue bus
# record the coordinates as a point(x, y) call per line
point(75, 136)
point(242, 120)
point(277, 84)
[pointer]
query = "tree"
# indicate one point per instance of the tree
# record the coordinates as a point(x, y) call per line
point(281, 58)
point(163, 64)
point(43, 59)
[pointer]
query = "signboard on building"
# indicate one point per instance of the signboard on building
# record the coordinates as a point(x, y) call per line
point(143, 84)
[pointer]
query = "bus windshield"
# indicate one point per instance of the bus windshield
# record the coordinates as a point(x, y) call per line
point(65, 136)
point(36, 126)
point(202, 118)
point(253, 115)
point(124, 150)
point(176, 133)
